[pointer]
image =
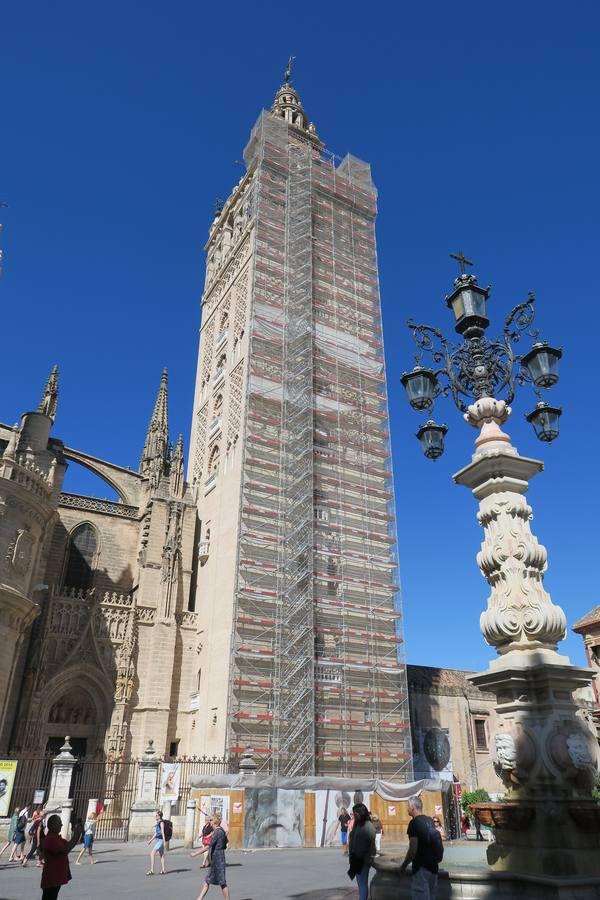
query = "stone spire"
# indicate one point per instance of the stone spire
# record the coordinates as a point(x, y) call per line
point(287, 105)
point(49, 400)
point(154, 454)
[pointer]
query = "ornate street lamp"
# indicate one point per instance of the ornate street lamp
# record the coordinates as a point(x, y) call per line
point(479, 367)
point(432, 437)
point(420, 386)
point(545, 755)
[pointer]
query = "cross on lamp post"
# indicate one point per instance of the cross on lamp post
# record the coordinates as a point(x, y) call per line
point(462, 261)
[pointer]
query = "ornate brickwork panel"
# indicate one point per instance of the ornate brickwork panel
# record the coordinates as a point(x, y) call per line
point(241, 304)
point(201, 426)
point(208, 336)
point(235, 403)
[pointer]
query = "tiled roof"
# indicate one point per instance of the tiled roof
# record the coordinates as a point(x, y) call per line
point(590, 618)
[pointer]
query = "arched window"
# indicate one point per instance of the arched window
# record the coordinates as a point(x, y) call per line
point(81, 560)
point(213, 460)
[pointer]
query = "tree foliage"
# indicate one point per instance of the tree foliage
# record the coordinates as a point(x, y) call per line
point(479, 795)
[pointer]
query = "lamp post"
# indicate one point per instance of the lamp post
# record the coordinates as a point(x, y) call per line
point(546, 757)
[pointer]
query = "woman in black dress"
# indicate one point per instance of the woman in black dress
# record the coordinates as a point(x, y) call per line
point(216, 857)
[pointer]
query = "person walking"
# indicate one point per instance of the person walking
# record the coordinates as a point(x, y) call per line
point(31, 835)
point(423, 852)
point(159, 845)
point(379, 832)
point(361, 846)
point(217, 867)
point(19, 838)
point(437, 824)
point(11, 830)
point(479, 836)
point(89, 830)
point(56, 871)
point(342, 823)
point(205, 839)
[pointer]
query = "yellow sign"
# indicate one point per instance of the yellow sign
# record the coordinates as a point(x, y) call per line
point(8, 770)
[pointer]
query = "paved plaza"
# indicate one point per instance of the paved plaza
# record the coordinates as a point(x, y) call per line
point(257, 875)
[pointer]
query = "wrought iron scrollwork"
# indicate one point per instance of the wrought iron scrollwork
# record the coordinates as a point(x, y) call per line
point(477, 367)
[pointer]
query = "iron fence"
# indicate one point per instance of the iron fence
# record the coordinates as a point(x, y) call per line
point(112, 784)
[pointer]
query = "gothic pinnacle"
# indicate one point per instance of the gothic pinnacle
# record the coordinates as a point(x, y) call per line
point(157, 437)
point(49, 401)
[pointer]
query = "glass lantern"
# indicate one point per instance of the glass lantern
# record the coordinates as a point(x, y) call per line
point(545, 421)
point(431, 437)
point(420, 386)
point(468, 302)
point(541, 364)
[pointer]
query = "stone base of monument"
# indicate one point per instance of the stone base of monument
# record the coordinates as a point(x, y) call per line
point(482, 884)
point(142, 820)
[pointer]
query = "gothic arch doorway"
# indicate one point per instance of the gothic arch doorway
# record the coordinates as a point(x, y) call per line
point(78, 707)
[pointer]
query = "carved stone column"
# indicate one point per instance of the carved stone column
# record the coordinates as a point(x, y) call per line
point(545, 755)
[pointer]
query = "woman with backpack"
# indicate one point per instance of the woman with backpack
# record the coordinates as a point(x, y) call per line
point(158, 846)
point(361, 844)
point(216, 858)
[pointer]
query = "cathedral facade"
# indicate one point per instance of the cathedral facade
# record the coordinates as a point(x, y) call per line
point(94, 594)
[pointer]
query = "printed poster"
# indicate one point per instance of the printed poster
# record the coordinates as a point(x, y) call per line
point(328, 807)
point(8, 770)
point(170, 775)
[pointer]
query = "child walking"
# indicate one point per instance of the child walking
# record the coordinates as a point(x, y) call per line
point(88, 839)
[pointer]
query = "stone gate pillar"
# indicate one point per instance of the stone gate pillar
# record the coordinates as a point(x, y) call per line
point(60, 785)
point(141, 821)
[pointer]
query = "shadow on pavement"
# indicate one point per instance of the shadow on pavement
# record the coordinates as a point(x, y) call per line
point(341, 893)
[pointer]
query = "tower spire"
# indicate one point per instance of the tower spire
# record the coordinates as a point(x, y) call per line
point(49, 401)
point(154, 454)
point(287, 105)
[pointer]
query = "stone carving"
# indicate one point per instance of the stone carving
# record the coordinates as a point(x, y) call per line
point(579, 750)
point(186, 619)
point(145, 615)
point(506, 751)
point(74, 501)
point(23, 552)
point(520, 613)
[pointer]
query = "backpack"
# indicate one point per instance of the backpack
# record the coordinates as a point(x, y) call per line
point(168, 829)
point(436, 846)
point(21, 823)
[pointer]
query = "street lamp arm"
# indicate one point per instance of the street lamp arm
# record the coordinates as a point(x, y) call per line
point(519, 321)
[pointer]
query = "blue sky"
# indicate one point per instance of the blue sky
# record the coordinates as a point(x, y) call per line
point(121, 123)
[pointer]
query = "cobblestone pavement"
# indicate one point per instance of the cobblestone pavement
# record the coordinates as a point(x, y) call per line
point(258, 875)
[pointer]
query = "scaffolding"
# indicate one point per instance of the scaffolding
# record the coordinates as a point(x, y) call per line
point(317, 680)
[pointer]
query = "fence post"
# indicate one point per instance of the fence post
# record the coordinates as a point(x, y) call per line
point(190, 822)
point(141, 819)
point(60, 785)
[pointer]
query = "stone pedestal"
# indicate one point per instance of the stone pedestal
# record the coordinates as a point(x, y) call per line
point(190, 823)
point(546, 755)
point(62, 774)
point(142, 822)
point(473, 884)
point(65, 816)
point(59, 800)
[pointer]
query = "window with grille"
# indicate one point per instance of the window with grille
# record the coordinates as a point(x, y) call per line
point(480, 734)
point(83, 547)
